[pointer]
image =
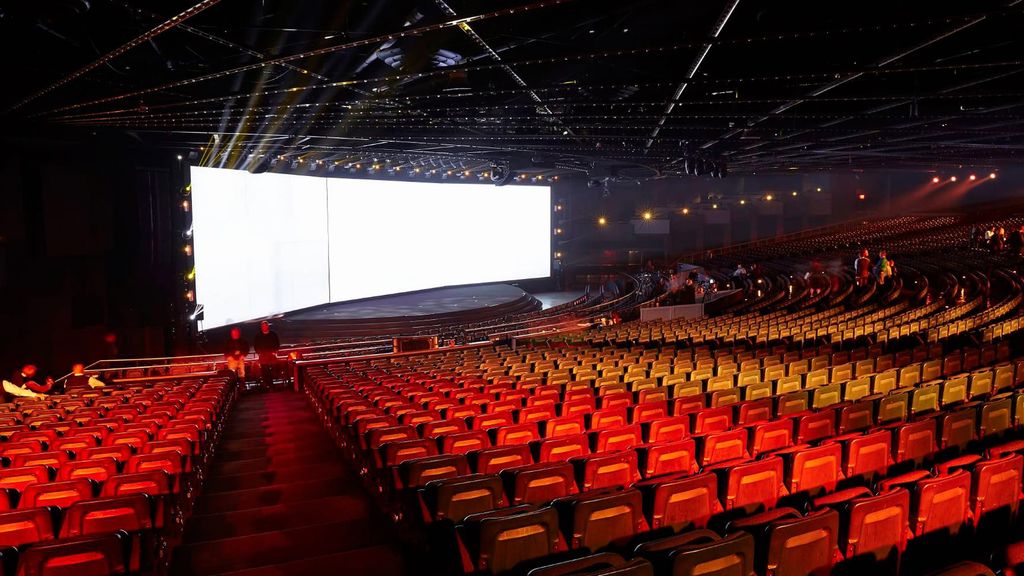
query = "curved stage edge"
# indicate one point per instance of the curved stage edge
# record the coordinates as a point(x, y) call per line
point(426, 311)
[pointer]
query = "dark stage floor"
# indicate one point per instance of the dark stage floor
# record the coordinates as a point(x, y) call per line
point(439, 301)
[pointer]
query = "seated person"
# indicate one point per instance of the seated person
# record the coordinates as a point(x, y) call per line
point(79, 381)
point(26, 383)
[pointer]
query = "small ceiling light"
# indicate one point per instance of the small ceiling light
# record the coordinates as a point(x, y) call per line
point(714, 206)
point(742, 202)
point(972, 177)
point(647, 215)
point(861, 196)
point(602, 220)
point(686, 211)
point(819, 188)
point(179, 156)
point(952, 178)
point(794, 192)
point(769, 197)
point(992, 176)
point(935, 180)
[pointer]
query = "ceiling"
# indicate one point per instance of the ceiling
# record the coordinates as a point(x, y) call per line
point(612, 90)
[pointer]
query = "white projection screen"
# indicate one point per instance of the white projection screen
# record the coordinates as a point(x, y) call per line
point(265, 244)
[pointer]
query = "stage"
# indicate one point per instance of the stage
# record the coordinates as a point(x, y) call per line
point(423, 312)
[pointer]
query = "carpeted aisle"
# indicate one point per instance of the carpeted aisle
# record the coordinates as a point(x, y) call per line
point(279, 499)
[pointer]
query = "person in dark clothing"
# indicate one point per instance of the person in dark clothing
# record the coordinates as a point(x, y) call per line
point(266, 343)
point(1016, 241)
point(27, 382)
point(235, 352)
point(862, 267)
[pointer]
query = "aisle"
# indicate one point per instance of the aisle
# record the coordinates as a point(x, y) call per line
point(279, 499)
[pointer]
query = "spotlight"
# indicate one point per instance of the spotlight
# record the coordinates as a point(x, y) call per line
point(952, 178)
point(714, 206)
point(602, 220)
point(188, 249)
point(647, 215)
point(558, 254)
point(179, 156)
point(819, 189)
point(972, 177)
point(992, 176)
point(794, 192)
point(687, 211)
point(935, 180)
point(861, 196)
point(742, 201)
point(184, 205)
point(769, 197)
point(558, 231)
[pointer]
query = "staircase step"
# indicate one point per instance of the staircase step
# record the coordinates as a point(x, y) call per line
point(283, 516)
point(377, 560)
point(232, 467)
point(216, 556)
point(276, 477)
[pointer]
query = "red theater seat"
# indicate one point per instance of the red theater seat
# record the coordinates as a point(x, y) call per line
point(702, 553)
point(752, 486)
point(560, 448)
point(873, 529)
point(667, 458)
point(596, 520)
point(84, 556)
point(455, 498)
point(60, 494)
point(680, 502)
point(539, 483)
point(494, 460)
point(497, 541)
point(23, 527)
point(606, 470)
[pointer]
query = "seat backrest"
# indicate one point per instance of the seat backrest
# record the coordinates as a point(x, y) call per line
point(497, 541)
point(997, 487)
point(60, 494)
point(560, 448)
point(915, 441)
point(131, 513)
point(680, 502)
point(813, 470)
point(753, 486)
point(84, 556)
point(463, 442)
point(730, 556)
point(539, 483)
point(417, 472)
point(154, 483)
point(875, 526)
point(941, 503)
point(868, 456)
point(722, 446)
point(797, 547)
point(667, 458)
point(455, 498)
point(770, 436)
point(494, 460)
point(596, 520)
point(97, 469)
point(23, 527)
point(606, 470)
point(18, 478)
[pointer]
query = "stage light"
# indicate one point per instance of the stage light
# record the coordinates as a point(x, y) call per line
point(191, 275)
point(687, 211)
point(190, 296)
point(742, 202)
point(558, 254)
point(358, 166)
point(819, 189)
point(952, 178)
point(935, 180)
point(558, 230)
point(992, 176)
point(466, 173)
point(768, 197)
point(184, 205)
point(861, 196)
point(555, 178)
point(714, 206)
point(794, 192)
point(179, 156)
point(972, 177)
point(647, 215)
point(188, 249)
point(602, 220)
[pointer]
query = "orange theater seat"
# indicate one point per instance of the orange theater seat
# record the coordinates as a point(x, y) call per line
point(539, 483)
point(680, 502)
point(679, 457)
point(60, 494)
point(596, 520)
point(24, 527)
point(97, 470)
point(497, 541)
point(83, 556)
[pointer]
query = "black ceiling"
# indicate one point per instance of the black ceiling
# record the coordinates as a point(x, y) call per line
point(611, 88)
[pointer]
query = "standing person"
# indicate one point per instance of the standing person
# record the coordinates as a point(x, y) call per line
point(235, 352)
point(862, 268)
point(266, 343)
point(882, 270)
point(79, 381)
point(1016, 242)
point(972, 242)
point(999, 240)
point(989, 233)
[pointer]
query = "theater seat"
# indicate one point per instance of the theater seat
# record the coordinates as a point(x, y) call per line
point(83, 556)
point(60, 494)
point(873, 529)
point(680, 502)
point(97, 470)
point(417, 472)
point(455, 498)
point(494, 460)
point(701, 553)
point(752, 486)
point(539, 483)
point(132, 514)
point(495, 542)
point(812, 470)
point(18, 478)
point(24, 527)
point(560, 448)
point(667, 458)
point(606, 470)
point(595, 520)
point(965, 569)
point(788, 544)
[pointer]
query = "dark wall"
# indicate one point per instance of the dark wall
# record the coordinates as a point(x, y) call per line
point(743, 213)
point(86, 250)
